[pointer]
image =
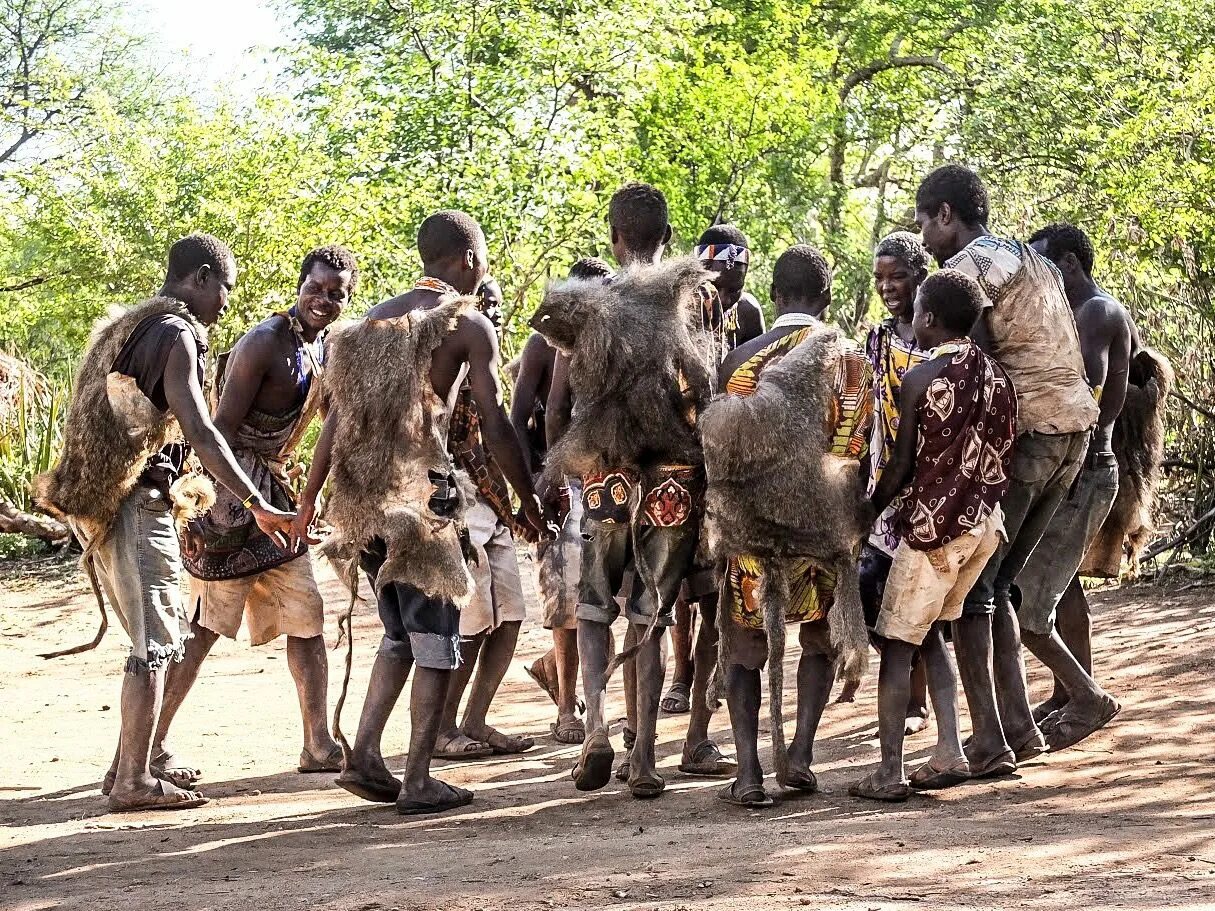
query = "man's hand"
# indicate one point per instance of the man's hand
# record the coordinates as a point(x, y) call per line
point(301, 525)
point(538, 517)
point(192, 540)
point(274, 523)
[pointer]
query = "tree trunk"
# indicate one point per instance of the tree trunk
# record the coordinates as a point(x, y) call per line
point(14, 521)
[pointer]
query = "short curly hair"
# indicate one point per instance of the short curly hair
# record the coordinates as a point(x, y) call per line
point(336, 257)
point(906, 248)
point(639, 212)
point(724, 234)
point(1062, 238)
point(958, 186)
point(801, 273)
point(196, 250)
point(590, 268)
point(446, 234)
point(954, 298)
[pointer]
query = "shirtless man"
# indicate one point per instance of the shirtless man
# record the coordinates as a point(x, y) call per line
point(557, 562)
point(725, 251)
point(421, 630)
point(489, 626)
point(271, 389)
point(1109, 340)
point(145, 369)
point(1056, 410)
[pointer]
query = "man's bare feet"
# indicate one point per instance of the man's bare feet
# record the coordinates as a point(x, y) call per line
point(433, 796)
point(154, 794)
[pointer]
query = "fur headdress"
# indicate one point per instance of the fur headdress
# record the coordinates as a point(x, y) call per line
point(390, 448)
point(639, 363)
point(776, 493)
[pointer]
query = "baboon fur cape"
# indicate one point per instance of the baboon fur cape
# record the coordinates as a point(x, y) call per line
point(776, 493)
point(391, 433)
point(638, 357)
point(112, 430)
point(1138, 443)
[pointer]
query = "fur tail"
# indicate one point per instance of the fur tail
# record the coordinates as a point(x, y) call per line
point(90, 570)
point(846, 622)
point(775, 599)
point(350, 573)
point(717, 683)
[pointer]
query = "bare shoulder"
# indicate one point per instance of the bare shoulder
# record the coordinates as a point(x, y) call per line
point(263, 339)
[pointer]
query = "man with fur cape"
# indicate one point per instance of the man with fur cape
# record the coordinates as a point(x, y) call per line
point(397, 503)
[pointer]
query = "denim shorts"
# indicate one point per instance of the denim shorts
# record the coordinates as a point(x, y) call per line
point(417, 627)
point(607, 555)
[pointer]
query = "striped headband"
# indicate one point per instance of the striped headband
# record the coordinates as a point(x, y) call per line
point(730, 254)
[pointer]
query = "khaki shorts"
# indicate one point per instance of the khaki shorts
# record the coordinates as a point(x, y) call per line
point(498, 594)
point(558, 567)
point(282, 600)
point(925, 586)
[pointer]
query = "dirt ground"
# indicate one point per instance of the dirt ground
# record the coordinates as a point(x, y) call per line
point(1125, 820)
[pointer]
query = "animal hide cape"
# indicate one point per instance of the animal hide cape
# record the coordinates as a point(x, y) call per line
point(1138, 443)
point(112, 430)
point(390, 448)
point(639, 360)
point(776, 493)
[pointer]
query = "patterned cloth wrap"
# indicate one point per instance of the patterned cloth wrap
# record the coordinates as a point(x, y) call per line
point(811, 587)
point(233, 545)
point(891, 358)
point(675, 499)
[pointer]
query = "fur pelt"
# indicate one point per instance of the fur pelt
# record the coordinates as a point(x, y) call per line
point(391, 435)
point(638, 360)
point(1138, 443)
point(112, 429)
point(776, 493)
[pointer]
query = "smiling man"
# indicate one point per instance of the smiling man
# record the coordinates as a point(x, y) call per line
point(270, 389)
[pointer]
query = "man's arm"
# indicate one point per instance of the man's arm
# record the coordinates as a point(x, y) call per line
point(247, 367)
point(496, 431)
point(184, 396)
point(318, 473)
point(537, 358)
point(560, 401)
point(750, 319)
point(1106, 345)
point(898, 471)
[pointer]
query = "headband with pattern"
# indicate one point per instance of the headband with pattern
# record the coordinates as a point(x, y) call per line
point(730, 254)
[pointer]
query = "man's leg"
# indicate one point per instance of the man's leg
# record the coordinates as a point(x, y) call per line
point(565, 651)
point(453, 743)
point(496, 656)
point(1075, 624)
point(815, 675)
point(917, 700)
point(747, 656)
point(894, 688)
point(594, 768)
point(644, 780)
point(177, 680)
point(309, 665)
point(678, 698)
point(420, 792)
point(943, 686)
point(701, 756)
point(1012, 694)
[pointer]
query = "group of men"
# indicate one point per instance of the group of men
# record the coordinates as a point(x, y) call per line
point(980, 413)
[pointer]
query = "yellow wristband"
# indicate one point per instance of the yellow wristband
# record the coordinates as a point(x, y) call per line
point(247, 502)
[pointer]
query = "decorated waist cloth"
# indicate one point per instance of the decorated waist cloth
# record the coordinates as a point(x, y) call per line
point(233, 545)
point(811, 586)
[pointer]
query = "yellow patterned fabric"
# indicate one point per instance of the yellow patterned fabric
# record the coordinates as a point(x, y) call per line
point(811, 588)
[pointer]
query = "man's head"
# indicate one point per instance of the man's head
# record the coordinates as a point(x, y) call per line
point(453, 249)
point(801, 281)
point(489, 297)
point(900, 264)
point(590, 268)
point(725, 251)
point(328, 278)
point(1068, 248)
point(201, 274)
point(640, 223)
point(946, 307)
point(950, 203)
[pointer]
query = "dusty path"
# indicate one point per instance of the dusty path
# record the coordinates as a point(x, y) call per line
point(1127, 820)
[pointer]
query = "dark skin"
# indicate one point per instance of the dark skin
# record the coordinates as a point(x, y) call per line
point(896, 285)
point(136, 769)
point(945, 235)
point(263, 374)
point(1108, 341)
point(472, 348)
point(815, 668)
point(894, 677)
point(730, 283)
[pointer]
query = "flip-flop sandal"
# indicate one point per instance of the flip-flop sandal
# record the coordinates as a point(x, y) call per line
point(931, 777)
point(594, 768)
point(647, 787)
point(678, 700)
point(170, 797)
point(806, 782)
point(1043, 711)
point(570, 731)
point(753, 798)
point(1033, 744)
point(707, 760)
point(1001, 764)
point(458, 797)
point(888, 793)
point(372, 789)
point(1069, 730)
point(913, 724)
point(508, 744)
point(165, 766)
point(471, 749)
point(180, 781)
point(544, 683)
point(332, 762)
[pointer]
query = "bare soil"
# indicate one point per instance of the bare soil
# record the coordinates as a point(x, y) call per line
point(1124, 820)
